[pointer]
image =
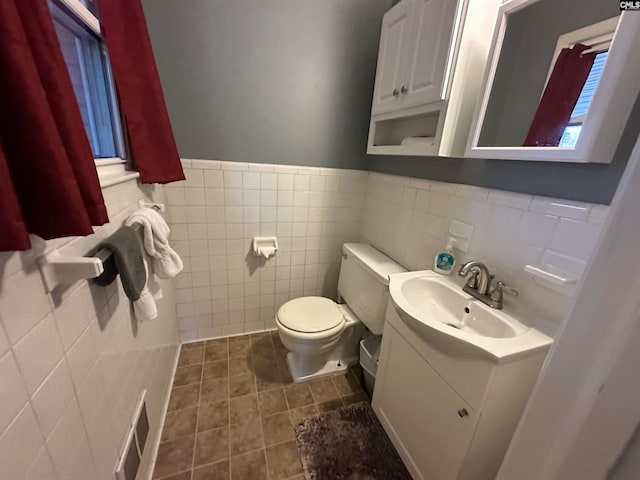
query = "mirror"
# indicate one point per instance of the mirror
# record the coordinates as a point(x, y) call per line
point(548, 61)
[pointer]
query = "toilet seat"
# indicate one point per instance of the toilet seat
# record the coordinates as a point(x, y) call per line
point(310, 315)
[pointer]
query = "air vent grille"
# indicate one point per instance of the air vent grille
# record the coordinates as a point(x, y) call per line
point(135, 441)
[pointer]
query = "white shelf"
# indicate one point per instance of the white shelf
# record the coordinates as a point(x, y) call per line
point(552, 274)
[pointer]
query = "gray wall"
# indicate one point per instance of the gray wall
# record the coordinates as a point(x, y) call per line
point(291, 82)
point(277, 81)
point(592, 182)
point(585, 182)
point(529, 43)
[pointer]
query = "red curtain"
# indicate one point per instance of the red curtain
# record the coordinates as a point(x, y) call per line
point(560, 96)
point(48, 182)
point(151, 141)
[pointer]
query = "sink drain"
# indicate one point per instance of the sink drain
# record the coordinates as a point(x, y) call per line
point(454, 326)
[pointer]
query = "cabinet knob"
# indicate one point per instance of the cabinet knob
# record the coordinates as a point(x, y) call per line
point(463, 412)
point(395, 92)
point(403, 89)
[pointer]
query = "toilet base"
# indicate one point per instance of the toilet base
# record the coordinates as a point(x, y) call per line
point(301, 371)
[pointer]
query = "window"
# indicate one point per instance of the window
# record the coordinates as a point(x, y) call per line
point(85, 55)
point(598, 36)
point(572, 131)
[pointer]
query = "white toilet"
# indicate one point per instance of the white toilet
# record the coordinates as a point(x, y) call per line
point(321, 335)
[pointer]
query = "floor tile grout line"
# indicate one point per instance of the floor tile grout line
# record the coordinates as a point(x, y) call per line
point(286, 400)
point(228, 409)
point(264, 443)
point(171, 475)
point(195, 434)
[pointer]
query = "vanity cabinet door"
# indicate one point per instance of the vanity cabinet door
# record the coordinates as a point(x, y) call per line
point(431, 41)
point(392, 57)
point(428, 422)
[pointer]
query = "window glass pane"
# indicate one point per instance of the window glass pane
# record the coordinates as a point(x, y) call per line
point(86, 60)
point(572, 131)
point(570, 136)
point(584, 100)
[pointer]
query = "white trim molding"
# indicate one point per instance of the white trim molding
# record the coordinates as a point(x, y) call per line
point(83, 14)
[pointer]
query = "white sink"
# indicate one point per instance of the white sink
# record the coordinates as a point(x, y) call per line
point(438, 310)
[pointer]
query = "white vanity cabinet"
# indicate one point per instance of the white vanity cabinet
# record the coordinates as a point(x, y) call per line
point(450, 415)
point(420, 411)
point(423, 47)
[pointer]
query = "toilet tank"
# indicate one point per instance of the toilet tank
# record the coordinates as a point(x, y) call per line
point(364, 283)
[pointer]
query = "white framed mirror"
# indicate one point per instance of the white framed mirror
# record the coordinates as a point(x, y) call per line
point(561, 81)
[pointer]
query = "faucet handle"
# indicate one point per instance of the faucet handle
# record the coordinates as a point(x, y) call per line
point(497, 293)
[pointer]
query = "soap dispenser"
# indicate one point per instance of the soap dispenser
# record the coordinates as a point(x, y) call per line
point(445, 260)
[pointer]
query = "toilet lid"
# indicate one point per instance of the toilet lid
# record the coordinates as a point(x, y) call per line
point(310, 314)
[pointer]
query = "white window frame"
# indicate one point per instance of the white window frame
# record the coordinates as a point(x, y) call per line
point(112, 170)
point(598, 35)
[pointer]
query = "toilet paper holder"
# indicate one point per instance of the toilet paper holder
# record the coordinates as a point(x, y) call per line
point(264, 246)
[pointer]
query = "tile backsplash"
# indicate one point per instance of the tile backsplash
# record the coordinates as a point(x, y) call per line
point(221, 206)
point(408, 219)
point(73, 363)
point(313, 211)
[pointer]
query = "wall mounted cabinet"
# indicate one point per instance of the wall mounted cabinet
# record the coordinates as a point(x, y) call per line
point(393, 57)
point(414, 45)
point(431, 56)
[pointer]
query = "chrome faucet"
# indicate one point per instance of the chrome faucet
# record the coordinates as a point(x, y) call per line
point(478, 284)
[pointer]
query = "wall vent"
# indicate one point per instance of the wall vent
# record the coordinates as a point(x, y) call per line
point(134, 443)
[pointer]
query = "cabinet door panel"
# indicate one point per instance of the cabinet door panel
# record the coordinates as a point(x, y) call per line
point(428, 51)
point(419, 411)
point(392, 56)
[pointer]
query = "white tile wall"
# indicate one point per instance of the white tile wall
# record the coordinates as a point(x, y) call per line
point(222, 205)
point(72, 364)
point(408, 219)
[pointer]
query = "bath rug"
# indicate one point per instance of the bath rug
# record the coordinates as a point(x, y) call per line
point(348, 444)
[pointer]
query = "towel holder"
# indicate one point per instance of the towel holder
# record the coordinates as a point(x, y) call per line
point(158, 207)
point(57, 268)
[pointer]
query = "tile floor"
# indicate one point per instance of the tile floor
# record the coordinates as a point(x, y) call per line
point(233, 408)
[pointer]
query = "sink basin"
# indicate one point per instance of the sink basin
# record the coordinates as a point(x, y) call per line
point(437, 309)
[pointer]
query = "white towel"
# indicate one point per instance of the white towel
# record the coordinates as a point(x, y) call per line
point(418, 141)
point(145, 307)
point(166, 262)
